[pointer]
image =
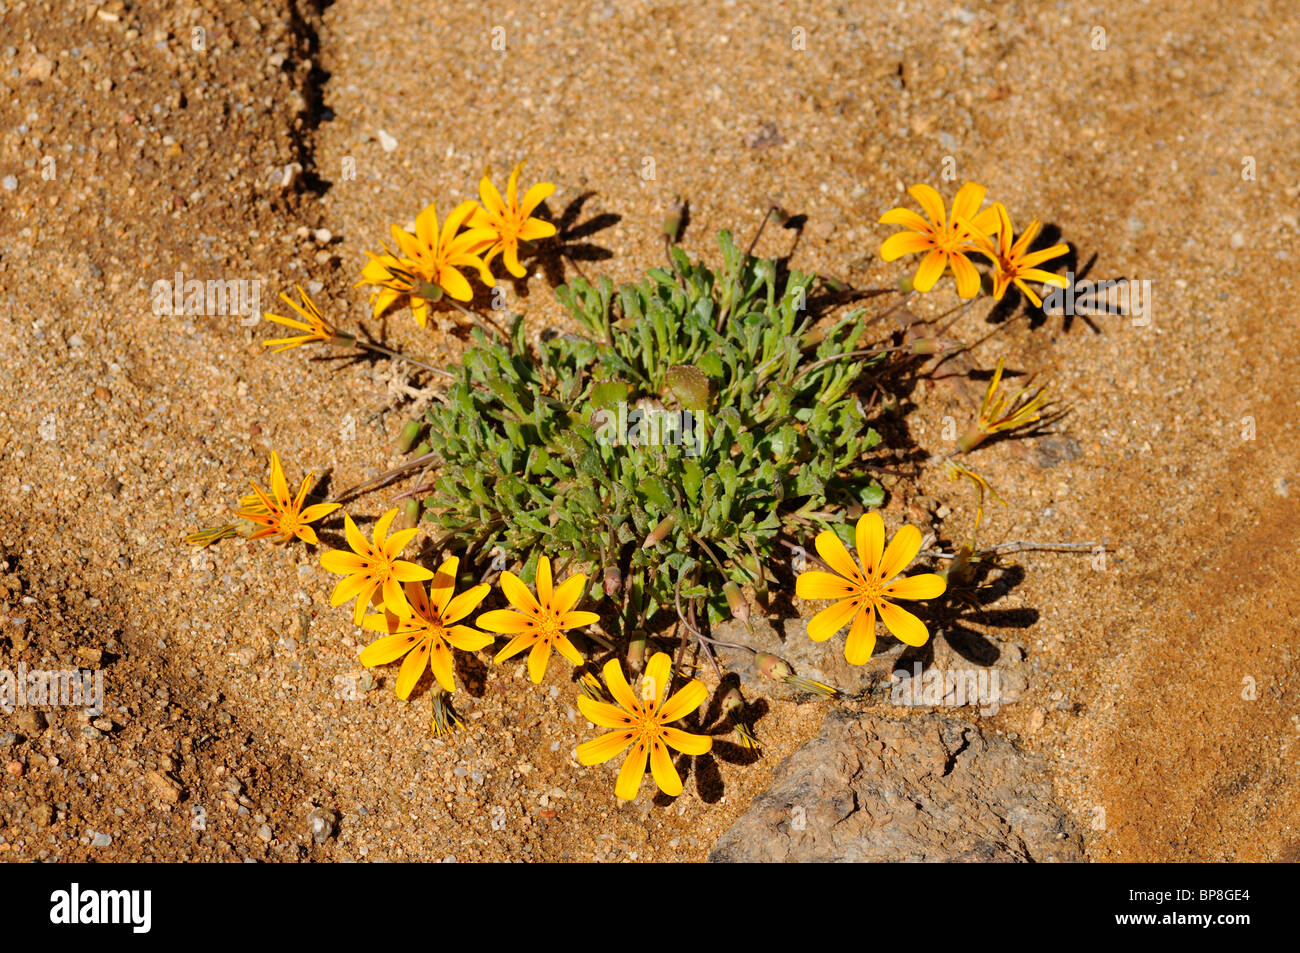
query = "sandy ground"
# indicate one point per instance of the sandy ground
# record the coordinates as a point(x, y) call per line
point(1165, 693)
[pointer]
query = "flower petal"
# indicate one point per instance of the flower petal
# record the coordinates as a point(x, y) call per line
point(930, 202)
point(901, 551)
point(685, 742)
point(534, 197)
point(388, 649)
point(968, 200)
point(661, 767)
point(815, 584)
point(395, 598)
point(359, 543)
point(518, 594)
point(412, 669)
point(514, 646)
point(831, 619)
point(599, 750)
point(834, 554)
point(349, 587)
point(633, 770)
point(925, 586)
point(603, 713)
point(870, 540)
point(404, 571)
point(905, 243)
point(967, 276)
point(537, 660)
point(440, 664)
point(505, 621)
point(342, 563)
point(566, 596)
point(905, 217)
point(464, 604)
point(654, 681)
point(397, 542)
point(467, 639)
point(904, 626)
point(862, 639)
point(576, 620)
point(687, 698)
point(544, 582)
point(618, 687)
point(930, 271)
point(569, 650)
point(381, 529)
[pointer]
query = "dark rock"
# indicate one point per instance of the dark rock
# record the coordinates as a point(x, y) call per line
point(870, 788)
point(1053, 451)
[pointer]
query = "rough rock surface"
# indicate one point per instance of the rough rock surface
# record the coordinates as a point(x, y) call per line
point(869, 788)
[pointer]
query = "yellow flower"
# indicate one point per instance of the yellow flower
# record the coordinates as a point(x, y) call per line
point(429, 262)
point(540, 622)
point(643, 725)
point(395, 281)
point(280, 514)
point(945, 240)
point(1000, 412)
point(1014, 262)
point(425, 636)
point(373, 571)
point(314, 323)
point(862, 593)
point(510, 220)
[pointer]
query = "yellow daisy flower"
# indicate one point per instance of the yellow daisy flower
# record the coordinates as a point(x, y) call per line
point(1014, 262)
point(313, 323)
point(430, 261)
point(863, 592)
point(644, 725)
point(540, 622)
point(425, 637)
point(373, 571)
point(945, 240)
point(510, 220)
point(280, 514)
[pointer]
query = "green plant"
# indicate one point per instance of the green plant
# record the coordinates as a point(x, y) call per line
point(526, 461)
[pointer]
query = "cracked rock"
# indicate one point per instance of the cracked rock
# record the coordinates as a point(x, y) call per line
point(870, 788)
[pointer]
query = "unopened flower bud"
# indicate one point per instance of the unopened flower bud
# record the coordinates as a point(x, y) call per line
point(972, 438)
point(733, 703)
point(736, 602)
point(407, 435)
point(660, 532)
point(636, 651)
point(673, 220)
point(613, 581)
point(931, 346)
point(773, 667)
point(427, 291)
point(411, 513)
